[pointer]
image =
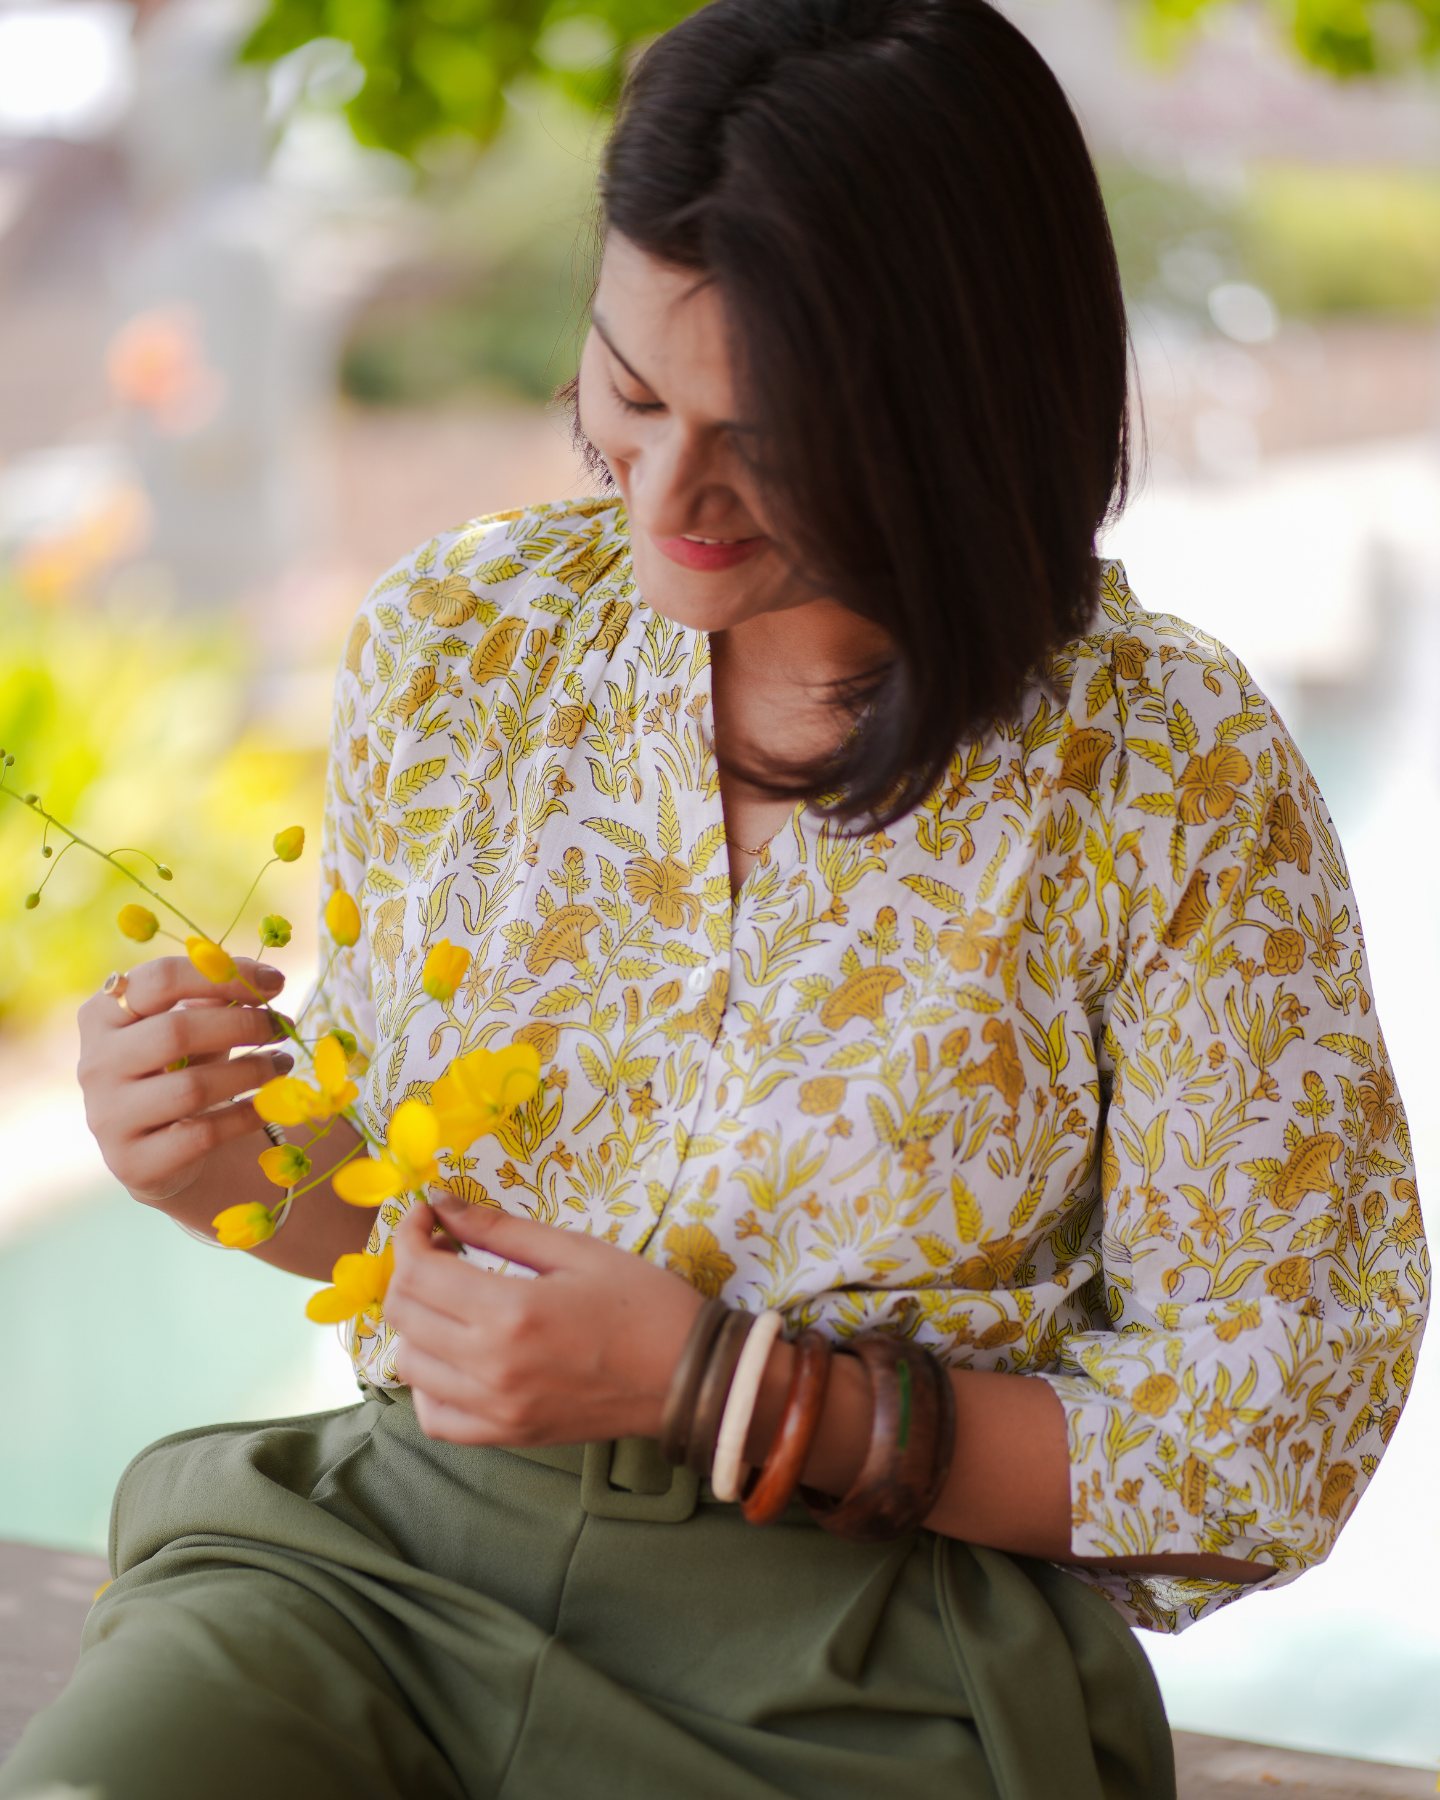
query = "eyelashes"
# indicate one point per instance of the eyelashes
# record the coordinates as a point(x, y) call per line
point(635, 406)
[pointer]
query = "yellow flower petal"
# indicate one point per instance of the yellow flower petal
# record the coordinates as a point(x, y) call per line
point(342, 919)
point(242, 1227)
point(213, 963)
point(329, 1062)
point(288, 1101)
point(367, 1182)
point(413, 1138)
point(360, 1286)
point(137, 922)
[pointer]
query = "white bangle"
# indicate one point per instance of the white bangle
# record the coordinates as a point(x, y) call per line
point(725, 1471)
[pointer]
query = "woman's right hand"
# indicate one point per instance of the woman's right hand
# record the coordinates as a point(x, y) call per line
point(157, 1124)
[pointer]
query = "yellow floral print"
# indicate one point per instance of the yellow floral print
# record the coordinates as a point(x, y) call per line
point(1074, 1072)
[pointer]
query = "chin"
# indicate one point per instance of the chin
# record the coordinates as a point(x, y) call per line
point(699, 602)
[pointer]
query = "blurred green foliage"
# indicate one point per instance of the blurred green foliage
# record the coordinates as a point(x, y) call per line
point(439, 69)
point(500, 297)
point(1320, 241)
point(131, 726)
point(1343, 37)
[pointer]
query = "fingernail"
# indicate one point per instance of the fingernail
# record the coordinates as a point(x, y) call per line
point(283, 1061)
point(268, 977)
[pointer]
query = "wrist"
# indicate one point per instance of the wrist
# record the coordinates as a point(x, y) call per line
point(843, 1434)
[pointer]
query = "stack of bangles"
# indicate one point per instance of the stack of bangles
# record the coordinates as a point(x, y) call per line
point(712, 1400)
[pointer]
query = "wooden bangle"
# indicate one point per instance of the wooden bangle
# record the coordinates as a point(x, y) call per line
point(727, 1472)
point(774, 1487)
point(912, 1441)
point(679, 1410)
point(715, 1391)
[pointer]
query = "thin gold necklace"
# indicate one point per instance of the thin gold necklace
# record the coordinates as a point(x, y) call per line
point(765, 846)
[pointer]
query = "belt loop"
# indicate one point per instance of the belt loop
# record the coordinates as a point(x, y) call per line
point(602, 1501)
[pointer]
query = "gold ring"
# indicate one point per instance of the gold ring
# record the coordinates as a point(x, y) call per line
point(115, 986)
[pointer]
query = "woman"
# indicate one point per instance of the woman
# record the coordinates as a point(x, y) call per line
point(919, 940)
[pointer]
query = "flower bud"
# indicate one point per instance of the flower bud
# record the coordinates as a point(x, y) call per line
point(137, 922)
point(342, 918)
point(285, 1164)
point(345, 1039)
point(32, 799)
point(290, 842)
point(45, 850)
point(274, 932)
point(31, 902)
point(165, 874)
point(243, 1227)
point(444, 970)
point(213, 963)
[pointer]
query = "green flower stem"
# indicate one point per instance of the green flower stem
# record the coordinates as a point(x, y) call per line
point(105, 856)
point(246, 901)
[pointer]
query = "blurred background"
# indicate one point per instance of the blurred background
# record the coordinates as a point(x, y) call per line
point(282, 294)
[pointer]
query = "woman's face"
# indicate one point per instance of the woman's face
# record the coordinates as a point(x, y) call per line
point(658, 401)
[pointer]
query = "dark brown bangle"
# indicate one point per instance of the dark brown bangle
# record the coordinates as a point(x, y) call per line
point(912, 1441)
point(774, 1487)
point(679, 1410)
point(715, 1391)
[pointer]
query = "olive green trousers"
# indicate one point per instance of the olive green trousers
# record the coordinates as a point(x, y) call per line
point(337, 1608)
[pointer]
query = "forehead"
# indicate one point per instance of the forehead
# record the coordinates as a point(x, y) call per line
point(669, 326)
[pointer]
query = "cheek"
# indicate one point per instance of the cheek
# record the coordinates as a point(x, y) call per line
point(607, 426)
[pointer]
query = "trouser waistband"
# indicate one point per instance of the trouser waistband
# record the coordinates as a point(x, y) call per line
point(620, 1478)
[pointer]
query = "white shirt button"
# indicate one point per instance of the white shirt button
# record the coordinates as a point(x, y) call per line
point(700, 977)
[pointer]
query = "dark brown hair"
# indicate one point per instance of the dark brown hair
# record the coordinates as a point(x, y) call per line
point(898, 208)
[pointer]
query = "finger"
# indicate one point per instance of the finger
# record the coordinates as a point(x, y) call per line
point(438, 1419)
point(437, 1376)
point(162, 1099)
point(154, 987)
point(445, 1284)
point(544, 1248)
point(439, 1333)
point(188, 1031)
point(149, 1164)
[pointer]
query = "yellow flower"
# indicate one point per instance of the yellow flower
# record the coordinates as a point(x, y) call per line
point(342, 919)
point(406, 1163)
point(479, 1091)
point(330, 1060)
point(360, 1285)
point(284, 1164)
point(287, 1100)
point(213, 963)
point(290, 842)
point(243, 1227)
point(444, 970)
point(137, 922)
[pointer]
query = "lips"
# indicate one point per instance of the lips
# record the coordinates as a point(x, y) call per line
point(708, 557)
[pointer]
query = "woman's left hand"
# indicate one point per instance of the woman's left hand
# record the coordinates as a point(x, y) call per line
point(584, 1351)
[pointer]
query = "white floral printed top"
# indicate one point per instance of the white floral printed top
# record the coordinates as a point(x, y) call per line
point(1073, 1072)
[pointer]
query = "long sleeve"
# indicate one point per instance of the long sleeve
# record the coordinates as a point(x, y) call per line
point(1263, 1258)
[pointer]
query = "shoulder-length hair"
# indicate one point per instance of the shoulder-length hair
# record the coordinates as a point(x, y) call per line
point(897, 206)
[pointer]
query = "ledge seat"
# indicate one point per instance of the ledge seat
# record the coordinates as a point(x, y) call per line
point(45, 1595)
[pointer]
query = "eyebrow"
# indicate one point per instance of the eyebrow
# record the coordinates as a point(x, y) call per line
point(731, 425)
point(609, 344)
